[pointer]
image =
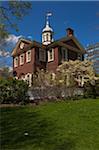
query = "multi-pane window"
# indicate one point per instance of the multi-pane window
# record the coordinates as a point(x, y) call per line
point(16, 62)
point(28, 79)
point(64, 54)
point(42, 55)
point(28, 56)
point(44, 38)
point(21, 59)
point(51, 55)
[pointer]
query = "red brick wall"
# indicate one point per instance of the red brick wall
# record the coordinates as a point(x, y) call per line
point(52, 66)
point(26, 67)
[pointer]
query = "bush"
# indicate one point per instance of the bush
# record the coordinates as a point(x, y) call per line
point(90, 90)
point(13, 91)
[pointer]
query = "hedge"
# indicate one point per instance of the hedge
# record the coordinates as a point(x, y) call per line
point(13, 91)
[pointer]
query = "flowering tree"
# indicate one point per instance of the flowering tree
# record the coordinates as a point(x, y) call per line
point(72, 72)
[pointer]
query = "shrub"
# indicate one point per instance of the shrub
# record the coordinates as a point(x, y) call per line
point(13, 91)
point(89, 90)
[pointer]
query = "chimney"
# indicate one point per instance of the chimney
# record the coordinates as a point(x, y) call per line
point(70, 32)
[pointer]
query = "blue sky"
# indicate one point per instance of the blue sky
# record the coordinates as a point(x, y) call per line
point(83, 17)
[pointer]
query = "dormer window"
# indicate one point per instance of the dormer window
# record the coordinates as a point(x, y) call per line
point(22, 45)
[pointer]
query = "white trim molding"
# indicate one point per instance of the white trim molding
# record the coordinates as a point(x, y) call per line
point(51, 55)
point(21, 59)
point(16, 61)
point(28, 56)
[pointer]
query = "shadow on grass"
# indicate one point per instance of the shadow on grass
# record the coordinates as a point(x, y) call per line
point(42, 132)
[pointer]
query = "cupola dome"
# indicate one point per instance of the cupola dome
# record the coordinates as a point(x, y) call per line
point(47, 32)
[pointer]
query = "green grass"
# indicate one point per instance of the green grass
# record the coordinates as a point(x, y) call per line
point(70, 125)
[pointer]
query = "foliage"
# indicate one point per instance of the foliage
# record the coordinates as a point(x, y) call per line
point(43, 78)
point(69, 76)
point(5, 72)
point(91, 90)
point(9, 11)
point(72, 125)
point(79, 72)
point(13, 91)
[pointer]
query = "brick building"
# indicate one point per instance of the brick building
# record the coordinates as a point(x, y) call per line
point(28, 55)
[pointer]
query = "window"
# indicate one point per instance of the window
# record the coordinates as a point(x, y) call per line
point(64, 54)
point(51, 55)
point(47, 37)
point(22, 45)
point(79, 57)
point(16, 62)
point(44, 38)
point(28, 78)
point(21, 59)
point(42, 55)
point(28, 56)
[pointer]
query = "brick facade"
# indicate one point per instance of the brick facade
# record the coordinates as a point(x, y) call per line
point(63, 50)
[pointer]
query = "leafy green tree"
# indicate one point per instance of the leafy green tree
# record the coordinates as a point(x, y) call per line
point(10, 13)
point(13, 91)
point(5, 72)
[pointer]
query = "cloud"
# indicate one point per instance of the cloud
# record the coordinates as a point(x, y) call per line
point(9, 42)
point(4, 53)
point(6, 45)
point(29, 37)
point(12, 38)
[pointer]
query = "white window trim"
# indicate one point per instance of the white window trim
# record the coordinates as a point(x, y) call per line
point(16, 62)
point(27, 58)
point(49, 59)
point(28, 78)
point(21, 63)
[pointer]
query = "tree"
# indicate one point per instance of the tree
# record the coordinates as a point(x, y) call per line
point(13, 91)
point(6, 73)
point(76, 72)
point(9, 12)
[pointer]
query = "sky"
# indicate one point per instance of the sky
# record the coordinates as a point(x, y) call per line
point(82, 16)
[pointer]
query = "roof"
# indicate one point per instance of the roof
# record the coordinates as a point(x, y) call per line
point(47, 29)
point(64, 39)
point(31, 45)
point(59, 42)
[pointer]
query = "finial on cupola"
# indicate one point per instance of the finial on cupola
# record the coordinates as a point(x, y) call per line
point(47, 32)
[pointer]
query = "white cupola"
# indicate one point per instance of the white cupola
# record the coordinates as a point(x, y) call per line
point(47, 32)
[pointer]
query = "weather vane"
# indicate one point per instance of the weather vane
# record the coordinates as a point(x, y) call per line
point(48, 14)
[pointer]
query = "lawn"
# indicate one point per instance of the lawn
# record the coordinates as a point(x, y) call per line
point(62, 125)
